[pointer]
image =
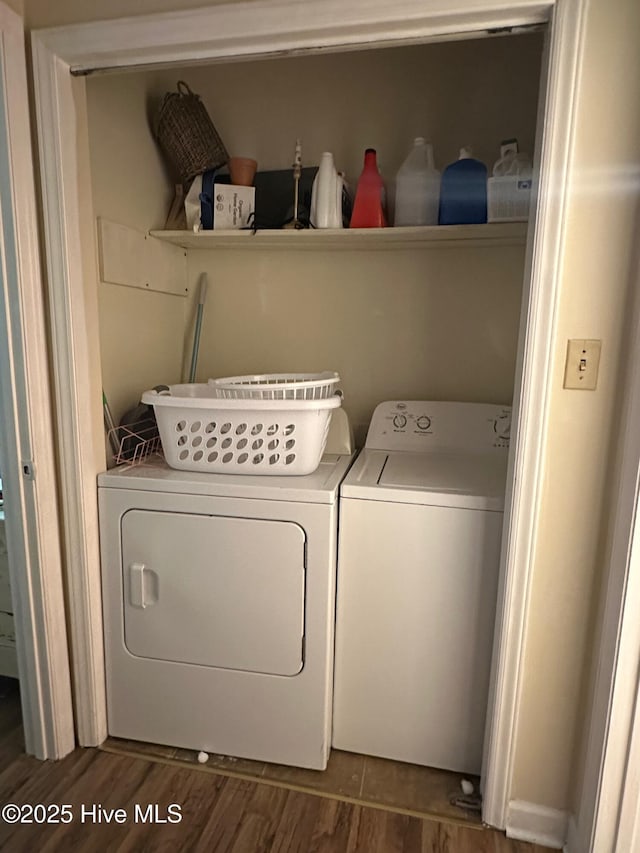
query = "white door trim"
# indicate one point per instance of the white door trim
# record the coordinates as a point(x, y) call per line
point(608, 817)
point(543, 275)
point(26, 426)
point(266, 27)
point(274, 27)
point(628, 829)
point(74, 352)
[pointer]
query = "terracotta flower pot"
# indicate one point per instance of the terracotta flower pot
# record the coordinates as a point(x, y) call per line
point(242, 171)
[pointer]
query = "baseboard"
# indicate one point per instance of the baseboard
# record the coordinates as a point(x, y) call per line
point(537, 824)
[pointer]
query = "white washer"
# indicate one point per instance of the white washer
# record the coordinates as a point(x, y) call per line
point(218, 599)
point(420, 528)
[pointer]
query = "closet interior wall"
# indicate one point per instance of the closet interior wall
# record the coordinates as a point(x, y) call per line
point(421, 323)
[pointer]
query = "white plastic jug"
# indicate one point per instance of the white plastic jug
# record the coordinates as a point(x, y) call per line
point(326, 195)
point(417, 187)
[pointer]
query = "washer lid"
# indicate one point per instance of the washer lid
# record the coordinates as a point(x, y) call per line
point(463, 480)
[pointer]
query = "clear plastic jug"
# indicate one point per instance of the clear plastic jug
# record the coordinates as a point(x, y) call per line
point(417, 187)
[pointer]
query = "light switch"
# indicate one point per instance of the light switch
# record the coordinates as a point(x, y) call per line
point(581, 368)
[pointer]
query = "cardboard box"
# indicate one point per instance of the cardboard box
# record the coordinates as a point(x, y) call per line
point(232, 206)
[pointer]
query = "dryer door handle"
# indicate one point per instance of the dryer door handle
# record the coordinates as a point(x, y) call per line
point(136, 584)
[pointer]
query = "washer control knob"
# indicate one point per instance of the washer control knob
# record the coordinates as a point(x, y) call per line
point(423, 422)
point(502, 426)
point(399, 421)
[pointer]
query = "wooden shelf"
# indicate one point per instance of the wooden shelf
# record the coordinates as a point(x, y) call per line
point(427, 237)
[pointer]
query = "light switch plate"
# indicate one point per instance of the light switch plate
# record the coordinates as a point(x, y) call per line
point(581, 368)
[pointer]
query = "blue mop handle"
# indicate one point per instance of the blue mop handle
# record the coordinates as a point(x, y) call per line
point(196, 337)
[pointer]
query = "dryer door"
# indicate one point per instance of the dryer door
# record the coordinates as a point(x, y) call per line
point(213, 590)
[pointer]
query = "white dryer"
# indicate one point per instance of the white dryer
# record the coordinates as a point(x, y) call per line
point(218, 598)
point(420, 530)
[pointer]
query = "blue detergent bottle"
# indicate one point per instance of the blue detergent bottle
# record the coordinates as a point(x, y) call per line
point(463, 192)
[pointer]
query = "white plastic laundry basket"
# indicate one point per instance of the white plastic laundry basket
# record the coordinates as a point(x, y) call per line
point(200, 432)
point(277, 386)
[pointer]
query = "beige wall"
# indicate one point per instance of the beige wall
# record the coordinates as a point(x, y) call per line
point(16, 5)
point(44, 13)
point(412, 325)
point(94, 420)
point(602, 232)
point(141, 331)
point(383, 98)
point(435, 323)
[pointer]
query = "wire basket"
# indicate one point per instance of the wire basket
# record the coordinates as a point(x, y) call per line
point(134, 443)
point(277, 386)
point(187, 135)
point(203, 432)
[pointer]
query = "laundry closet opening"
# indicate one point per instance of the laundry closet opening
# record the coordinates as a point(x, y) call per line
point(426, 319)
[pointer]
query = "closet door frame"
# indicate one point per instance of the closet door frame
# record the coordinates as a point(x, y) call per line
point(275, 27)
point(26, 427)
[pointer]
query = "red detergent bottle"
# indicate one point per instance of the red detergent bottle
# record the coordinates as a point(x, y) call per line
point(369, 204)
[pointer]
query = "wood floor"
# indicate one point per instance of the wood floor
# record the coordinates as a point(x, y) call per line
point(359, 779)
point(217, 813)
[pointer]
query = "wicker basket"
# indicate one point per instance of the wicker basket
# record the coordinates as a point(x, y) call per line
point(187, 135)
